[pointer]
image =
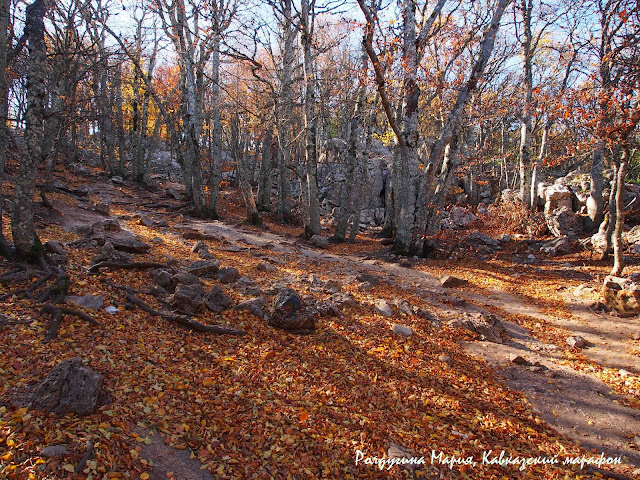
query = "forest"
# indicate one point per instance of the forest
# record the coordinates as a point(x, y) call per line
point(337, 239)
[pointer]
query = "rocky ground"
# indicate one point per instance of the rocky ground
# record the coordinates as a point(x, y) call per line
point(498, 347)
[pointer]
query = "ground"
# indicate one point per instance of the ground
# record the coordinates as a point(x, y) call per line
point(270, 404)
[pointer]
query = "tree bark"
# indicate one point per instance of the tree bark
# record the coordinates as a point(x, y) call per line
point(265, 179)
point(4, 92)
point(216, 131)
point(25, 239)
point(524, 154)
point(618, 247)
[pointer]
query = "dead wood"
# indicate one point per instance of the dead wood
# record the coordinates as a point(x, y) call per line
point(126, 265)
point(87, 455)
point(183, 319)
point(56, 313)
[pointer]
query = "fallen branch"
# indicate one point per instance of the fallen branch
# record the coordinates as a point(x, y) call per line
point(87, 455)
point(5, 320)
point(607, 473)
point(126, 265)
point(56, 313)
point(183, 319)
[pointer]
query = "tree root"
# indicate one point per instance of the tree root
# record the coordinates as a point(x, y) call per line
point(183, 319)
point(87, 455)
point(56, 313)
point(131, 265)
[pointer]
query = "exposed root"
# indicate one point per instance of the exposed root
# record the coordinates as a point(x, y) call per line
point(56, 313)
point(125, 265)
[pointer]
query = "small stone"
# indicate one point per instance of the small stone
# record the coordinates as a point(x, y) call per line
point(216, 300)
point(253, 306)
point(576, 341)
point(448, 281)
point(91, 302)
point(624, 373)
point(102, 208)
point(117, 180)
point(227, 275)
point(445, 359)
point(185, 278)
point(383, 307)
point(156, 241)
point(111, 309)
point(266, 267)
point(188, 298)
point(517, 359)
point(54, 451)
point(204, 267)
point(401, 330)
point(319, 241)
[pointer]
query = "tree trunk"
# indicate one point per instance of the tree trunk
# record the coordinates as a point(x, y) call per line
point(312, 222)
point(4, 92)
point(26, 241)
point(595, 203)
point(265, 180)
point(216, 131)
point(538, 165)
point(285, 112)
point(353, 188)
point(618, 257)
point(524, 157)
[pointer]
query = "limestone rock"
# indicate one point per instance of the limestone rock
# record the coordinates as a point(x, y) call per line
point(487, 326)
point(188, 298)
point(449, 281)
point(204, 267)
point(71, 387)
point(227, 275)
point(564, 222)
point(253, 306)
point(621, 294)
point(576, 341)
point(557, 196)
point(461, 217)
point(266, 267)
point(216, 300)
point(319, 241)
point(517, 359)
point(556, 246)
point(91, 302)
point(383, 307)
point(401, 330)
point(288, 313)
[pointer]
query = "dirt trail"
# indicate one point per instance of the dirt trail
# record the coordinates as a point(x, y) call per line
point(575, 403)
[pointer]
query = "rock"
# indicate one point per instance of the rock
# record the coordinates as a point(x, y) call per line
point(118, 180)
point(102, 208)
point(449, 281)
point(266, 267)
point(319, 241)
point(145, 221)
point(401, 330)
point(582, 290)
point(185, 278)
point(160, 223)
point(188, 298)
point(157, 241)
point(564, 222)
point(216, 300)
point(253, 306)
point(343, 299)
point(504, 238)
point(383, 307)
point(54, 247)
point(109, 253)
point(405, 307)
point(333, 286)
point(621, 294)
point(288, 313)
point(203, 267)
point(163, 278)
point(480, 238)
point(486, 325)
point(71, 387)
point(557, 196)
point(128, 243)
point(91, 302)
point(633, 235)
point(461, 217)
point(368, 278)
point(111, 309)
point(55, 451)
point(107, 225)
point(517, 359)
point(227, 275)
point(576, 341)
point(560, 245)
point(445, 359)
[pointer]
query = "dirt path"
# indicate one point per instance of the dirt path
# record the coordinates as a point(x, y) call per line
point(577, 404)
